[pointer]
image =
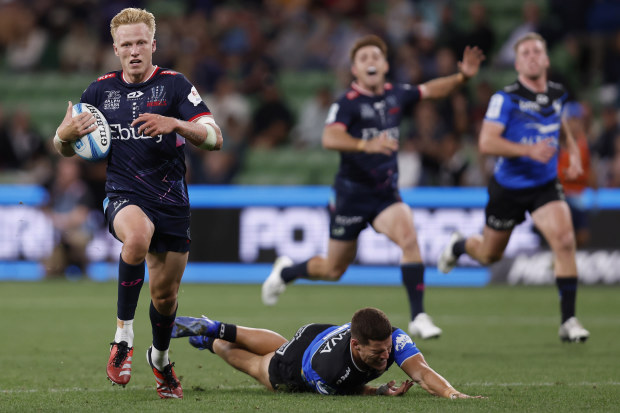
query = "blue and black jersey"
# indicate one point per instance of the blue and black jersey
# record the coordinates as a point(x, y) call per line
point(527, 117)
point(366, 116)
point(152, 169)
point(328, 366)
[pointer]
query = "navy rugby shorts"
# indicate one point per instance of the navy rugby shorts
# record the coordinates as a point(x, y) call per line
point(285, 365)
point(171, 222)
point(352, 209)
point(507, 207)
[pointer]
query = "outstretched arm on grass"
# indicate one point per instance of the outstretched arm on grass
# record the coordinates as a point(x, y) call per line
point(421, 373)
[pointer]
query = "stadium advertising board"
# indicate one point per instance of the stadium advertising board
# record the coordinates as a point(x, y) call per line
point(242, 230)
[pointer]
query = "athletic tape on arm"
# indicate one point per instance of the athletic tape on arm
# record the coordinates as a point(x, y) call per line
point(211, 140)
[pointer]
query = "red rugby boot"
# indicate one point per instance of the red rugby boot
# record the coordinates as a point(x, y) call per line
point(168, 386)
point(119, 364)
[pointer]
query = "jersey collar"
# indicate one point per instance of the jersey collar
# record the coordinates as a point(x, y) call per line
point(353, 359)
point(532, 90)
point(363, 91)
point(155, 68)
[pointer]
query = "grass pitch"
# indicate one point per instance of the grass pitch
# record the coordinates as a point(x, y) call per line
point(500, 342)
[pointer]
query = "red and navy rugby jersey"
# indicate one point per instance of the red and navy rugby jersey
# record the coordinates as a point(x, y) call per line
point(366, 116)
point(151, 168)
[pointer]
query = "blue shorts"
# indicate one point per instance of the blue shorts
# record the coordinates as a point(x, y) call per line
point(171, 222)
point(353, 207)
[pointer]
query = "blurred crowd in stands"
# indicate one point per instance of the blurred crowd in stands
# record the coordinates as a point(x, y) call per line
point(235, 52)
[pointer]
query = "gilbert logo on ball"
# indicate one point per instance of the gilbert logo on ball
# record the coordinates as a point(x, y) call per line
point(94, 146)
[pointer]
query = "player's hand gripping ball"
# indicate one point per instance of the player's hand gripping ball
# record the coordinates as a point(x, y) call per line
point(94, 146)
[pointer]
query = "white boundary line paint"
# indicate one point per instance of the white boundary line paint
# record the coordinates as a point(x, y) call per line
point(255, 386)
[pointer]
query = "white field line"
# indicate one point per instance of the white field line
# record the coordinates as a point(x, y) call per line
point(541, 384)
point(256, 386)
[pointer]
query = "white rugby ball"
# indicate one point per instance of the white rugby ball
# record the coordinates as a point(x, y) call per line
point(94, 146)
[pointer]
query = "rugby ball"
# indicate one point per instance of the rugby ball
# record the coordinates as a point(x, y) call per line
point(94, 146)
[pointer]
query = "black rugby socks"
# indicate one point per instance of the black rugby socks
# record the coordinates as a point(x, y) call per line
point(289, 274)
point(567, 288)
point(162, 328)
point(130, 280)
point(413, 280)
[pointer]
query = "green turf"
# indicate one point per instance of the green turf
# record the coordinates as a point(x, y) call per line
point(500, 342)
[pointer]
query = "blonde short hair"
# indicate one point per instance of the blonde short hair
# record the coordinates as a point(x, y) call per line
point(132, 15)
point(530, 36)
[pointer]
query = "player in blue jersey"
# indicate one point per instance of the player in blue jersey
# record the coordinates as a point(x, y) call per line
point(321, 358)
point(152, 112)
point(522, 128)
point(363, 125)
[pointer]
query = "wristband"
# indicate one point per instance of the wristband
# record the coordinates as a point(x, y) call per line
point(464, 77)
point(382, 390)
point(57, 137)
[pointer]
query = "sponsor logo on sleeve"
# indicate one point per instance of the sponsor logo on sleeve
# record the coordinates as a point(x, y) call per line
point(194, 96)
point(106, 76)
point(401, 342)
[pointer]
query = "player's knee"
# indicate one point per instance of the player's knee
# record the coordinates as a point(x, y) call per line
point(165, 302)
point(135, 247)
point(566, 242)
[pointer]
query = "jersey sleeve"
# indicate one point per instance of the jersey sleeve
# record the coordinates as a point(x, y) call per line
point(340, 112)
point(403, 346)
point(411, 94)
point(89, 95)
point(499, 108)
point(190, 104)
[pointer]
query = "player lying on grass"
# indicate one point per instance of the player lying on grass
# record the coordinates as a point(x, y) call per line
point(322, 358)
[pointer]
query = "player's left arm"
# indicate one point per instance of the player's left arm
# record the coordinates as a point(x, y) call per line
point(575, 167)
point(202, 132)
point(443, 86)
point(431, 381)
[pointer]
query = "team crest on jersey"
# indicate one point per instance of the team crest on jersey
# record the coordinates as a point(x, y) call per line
point(401, 341)
point(366, 111)
point(158, 97)
point(112, 100)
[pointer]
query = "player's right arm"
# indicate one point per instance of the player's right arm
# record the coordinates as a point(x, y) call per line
point(388, 389)
point(336, 137)
point(72, 128)
point(431, 381)
point(492, 142)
